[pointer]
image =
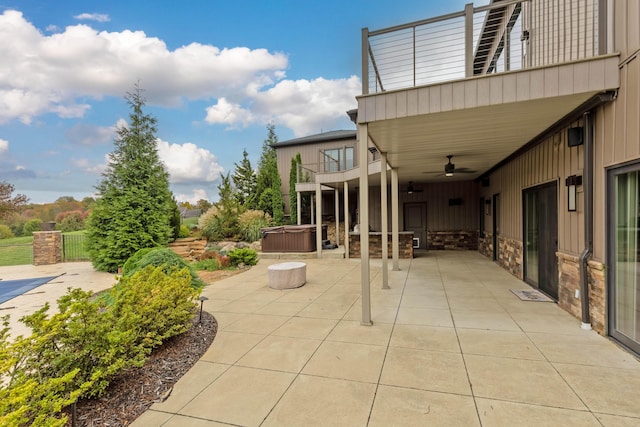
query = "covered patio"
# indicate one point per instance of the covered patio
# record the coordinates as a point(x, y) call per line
point(449, 345)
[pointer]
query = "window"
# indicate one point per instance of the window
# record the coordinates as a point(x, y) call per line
point(337, 159)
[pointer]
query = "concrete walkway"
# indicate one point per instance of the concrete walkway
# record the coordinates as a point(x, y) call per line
point(450, 346)
point(72, 275)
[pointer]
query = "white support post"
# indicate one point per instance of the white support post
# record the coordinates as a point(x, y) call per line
point(395, 224)
point(363, 161)
point(385, 220)
point(299, 210)
point(313, 209)
point(346, 220)
point(337, 210)
point(319, 218)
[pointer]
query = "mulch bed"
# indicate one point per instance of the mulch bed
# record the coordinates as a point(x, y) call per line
point(135, 391)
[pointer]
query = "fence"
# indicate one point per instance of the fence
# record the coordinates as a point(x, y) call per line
point(74, 248)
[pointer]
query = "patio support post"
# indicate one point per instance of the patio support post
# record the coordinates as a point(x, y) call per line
point(346, 220)
point(384, 203)
point(312, 206)
point(395, 224)
point(299, 210)
point(363, 161)
point(319, 218)
point(337, 210)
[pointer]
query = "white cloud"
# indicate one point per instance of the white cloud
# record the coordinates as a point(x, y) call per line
point(226, 113)
point(305, 106)
point(86, 165)
point(99, 17)
point(4, 147)
point(196, 194)
point(189, 163)
point(49, 73)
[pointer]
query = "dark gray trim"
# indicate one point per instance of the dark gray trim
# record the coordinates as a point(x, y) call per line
point(336, 135)
point(587, 187)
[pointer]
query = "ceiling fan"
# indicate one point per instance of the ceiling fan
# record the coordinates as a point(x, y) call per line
point(450, 168)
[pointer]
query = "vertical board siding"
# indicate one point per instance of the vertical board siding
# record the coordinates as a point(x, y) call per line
point(550, 161)
point(626, 29)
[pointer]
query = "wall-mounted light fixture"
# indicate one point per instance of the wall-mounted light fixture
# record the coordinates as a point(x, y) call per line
point(373, 151)
point(572, 182)
point(487, 207)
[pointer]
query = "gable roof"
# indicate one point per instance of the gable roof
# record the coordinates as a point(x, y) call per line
point(335, 135)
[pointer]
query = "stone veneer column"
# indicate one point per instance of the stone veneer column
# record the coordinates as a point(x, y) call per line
point(569, 283)
point(47, 247)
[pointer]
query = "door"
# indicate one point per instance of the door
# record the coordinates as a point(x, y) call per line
point(415, 219)
point(541, 238)
point(623, 252)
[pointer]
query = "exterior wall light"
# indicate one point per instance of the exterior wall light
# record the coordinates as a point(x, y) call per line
point(572, 182)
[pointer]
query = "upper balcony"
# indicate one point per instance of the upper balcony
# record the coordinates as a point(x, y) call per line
point(505, 35)
point(482, 83)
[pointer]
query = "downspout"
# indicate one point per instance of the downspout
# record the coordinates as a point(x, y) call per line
point(588, 220)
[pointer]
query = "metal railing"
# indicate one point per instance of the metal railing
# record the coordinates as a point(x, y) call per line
point(502, 36)
point(74, 248)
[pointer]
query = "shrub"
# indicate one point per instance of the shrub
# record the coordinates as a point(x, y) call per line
point(210, 264)
point(154, 304)
point(250, 223)
point(223, 260)
point(78, 351)
point(246, 256)
point(184, 231)
point(157, 257)
point(5, 232)
point(31, 226)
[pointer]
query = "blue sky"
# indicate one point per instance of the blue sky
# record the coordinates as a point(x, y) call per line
point(214, 73)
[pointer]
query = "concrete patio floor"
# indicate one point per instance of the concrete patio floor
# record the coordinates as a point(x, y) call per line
point(450, 346)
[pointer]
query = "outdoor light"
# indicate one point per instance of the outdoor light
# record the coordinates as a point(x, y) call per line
point(202, 300)
point(373, 151)
point(572, 182)
point(449, 168)
point(487, 207)
point(410, 188)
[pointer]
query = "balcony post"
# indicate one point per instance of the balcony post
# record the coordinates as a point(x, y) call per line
point(319, 218)
point(468, 40)
point(363, 137)
point(299, 210)
point(395, 225)
point(365, 61)
point(384, 203)
point(347, 217)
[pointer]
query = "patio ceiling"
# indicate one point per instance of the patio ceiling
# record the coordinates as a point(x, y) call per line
point(480, 121)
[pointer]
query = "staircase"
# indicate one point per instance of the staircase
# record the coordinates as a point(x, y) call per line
point(188, 248)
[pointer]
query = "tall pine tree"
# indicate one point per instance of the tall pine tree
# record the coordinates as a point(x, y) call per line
point(244, 180)
point(268, 180)
point(135, 206)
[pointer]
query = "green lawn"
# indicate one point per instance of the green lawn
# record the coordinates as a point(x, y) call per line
point(190, 222)
point(16, 251)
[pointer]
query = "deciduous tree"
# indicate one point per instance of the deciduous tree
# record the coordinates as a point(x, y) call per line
point(8, 203)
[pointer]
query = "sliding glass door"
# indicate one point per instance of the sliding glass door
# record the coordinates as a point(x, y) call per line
point(623, 255)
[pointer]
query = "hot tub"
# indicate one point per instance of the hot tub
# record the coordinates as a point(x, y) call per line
point(291, 238)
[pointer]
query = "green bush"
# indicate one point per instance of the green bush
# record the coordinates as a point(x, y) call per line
point(78, 351)
point(184, 231)
point(157, 257)
point(5, 232)
point(31, 226)
point(246, 256)
point(210, 264)
point(250, 223)
point(70, 221)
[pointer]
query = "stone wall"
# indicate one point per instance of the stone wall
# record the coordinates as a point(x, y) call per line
point(510, 256)
point(405, 243)
point(452, 240)
point(47, 247)
point(569, 283)
point(485, 245)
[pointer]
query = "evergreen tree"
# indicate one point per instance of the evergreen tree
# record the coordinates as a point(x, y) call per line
point(135, 206)
point(244, 179)
point(293, 178)
point(268, 179)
